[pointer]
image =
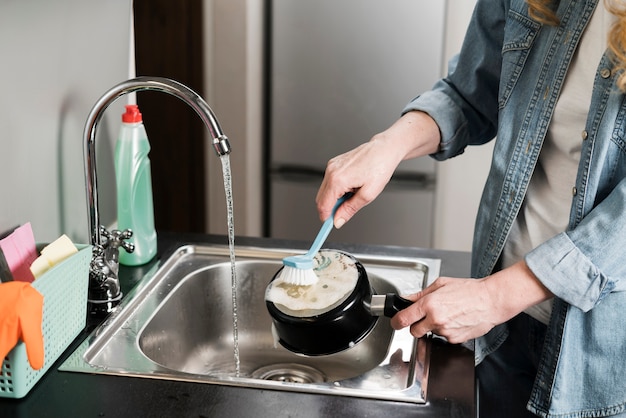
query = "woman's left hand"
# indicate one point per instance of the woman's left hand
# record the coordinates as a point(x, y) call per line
point(462, 309)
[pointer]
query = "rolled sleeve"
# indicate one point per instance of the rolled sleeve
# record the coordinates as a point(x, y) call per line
point(569, 274)
point(448, 116)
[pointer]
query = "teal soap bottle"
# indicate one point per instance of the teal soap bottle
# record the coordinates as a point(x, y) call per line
point(135, 208)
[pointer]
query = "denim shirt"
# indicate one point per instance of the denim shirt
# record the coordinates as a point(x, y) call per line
point(504, 84)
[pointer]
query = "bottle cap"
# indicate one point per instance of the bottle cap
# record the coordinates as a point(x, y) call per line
point(132, 115)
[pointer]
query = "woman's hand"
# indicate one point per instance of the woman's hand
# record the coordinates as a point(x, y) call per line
point(462, 309)
point(457, 309)
point(367, 169)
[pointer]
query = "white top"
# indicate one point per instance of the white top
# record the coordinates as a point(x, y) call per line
point(546, 208)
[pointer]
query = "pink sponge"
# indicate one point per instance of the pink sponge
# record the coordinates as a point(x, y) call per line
point(20, 251)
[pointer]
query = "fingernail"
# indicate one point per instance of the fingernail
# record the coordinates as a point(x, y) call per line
point(339, 222)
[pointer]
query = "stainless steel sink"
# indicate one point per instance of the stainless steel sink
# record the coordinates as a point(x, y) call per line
point(178, 324)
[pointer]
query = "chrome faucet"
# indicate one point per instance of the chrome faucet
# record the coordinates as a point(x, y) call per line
point(104, 286)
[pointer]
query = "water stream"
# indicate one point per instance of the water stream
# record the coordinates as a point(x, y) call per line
point(228, 189)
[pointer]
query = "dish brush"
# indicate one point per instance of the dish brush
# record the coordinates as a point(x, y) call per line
point(298, 269)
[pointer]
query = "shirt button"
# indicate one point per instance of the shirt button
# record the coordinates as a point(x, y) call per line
point(605, 72)
point(574, 191)
point(585, 134)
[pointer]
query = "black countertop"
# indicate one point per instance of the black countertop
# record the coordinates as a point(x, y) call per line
point(67, 394)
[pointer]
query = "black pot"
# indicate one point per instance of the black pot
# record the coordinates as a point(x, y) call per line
point(338, 328)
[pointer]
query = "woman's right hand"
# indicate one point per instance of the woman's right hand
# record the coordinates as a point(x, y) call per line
point(367, 169)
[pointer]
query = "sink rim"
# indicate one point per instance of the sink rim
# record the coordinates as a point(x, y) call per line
point(100, 338)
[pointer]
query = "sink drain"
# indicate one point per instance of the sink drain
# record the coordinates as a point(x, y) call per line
point(289, 372)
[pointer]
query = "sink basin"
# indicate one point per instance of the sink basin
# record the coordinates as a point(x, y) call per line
point(178, 324)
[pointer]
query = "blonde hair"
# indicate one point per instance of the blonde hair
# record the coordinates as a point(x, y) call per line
point(543, 12)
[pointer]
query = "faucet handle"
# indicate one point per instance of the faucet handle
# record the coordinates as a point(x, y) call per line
point(128, 246)
point(104, 284)
point(116, 238)
point(98, 269)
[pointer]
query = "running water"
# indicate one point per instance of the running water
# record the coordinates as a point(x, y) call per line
point(228, 188)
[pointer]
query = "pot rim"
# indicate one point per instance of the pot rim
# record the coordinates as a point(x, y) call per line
point(330, 332)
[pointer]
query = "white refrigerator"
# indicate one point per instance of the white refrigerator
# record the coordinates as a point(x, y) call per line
point(340, 71)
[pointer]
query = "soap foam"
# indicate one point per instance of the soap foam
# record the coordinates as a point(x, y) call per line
point(338, 276)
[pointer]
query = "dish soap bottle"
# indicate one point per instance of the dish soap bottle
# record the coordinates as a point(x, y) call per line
point(135, 209)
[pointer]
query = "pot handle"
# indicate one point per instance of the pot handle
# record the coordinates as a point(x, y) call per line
point(394, 304)
point(388, 305)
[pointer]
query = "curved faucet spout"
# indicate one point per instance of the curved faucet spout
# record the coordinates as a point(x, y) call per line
point(220, 144)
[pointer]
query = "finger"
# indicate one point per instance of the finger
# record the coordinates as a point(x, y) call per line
point(413, 296)
point(30, 323)
point(327, 197)
point(348, 209)
point(437, 284)
point(408, 316)
point(326, 200)
point(420, 329)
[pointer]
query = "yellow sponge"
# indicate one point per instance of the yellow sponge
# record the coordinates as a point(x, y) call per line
point(52, 254)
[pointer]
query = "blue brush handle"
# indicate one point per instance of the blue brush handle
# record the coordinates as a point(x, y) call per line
point(327, 226)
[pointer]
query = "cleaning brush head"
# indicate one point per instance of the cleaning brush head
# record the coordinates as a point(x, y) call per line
point(298, 277)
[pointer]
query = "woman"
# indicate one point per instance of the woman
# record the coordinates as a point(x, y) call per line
point(547, 303)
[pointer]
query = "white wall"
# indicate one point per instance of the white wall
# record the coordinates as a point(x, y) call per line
point(58, 58)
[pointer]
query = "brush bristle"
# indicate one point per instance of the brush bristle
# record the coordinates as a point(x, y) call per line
point(298, 277)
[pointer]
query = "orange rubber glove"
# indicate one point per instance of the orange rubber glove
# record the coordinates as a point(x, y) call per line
point(21, 312)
